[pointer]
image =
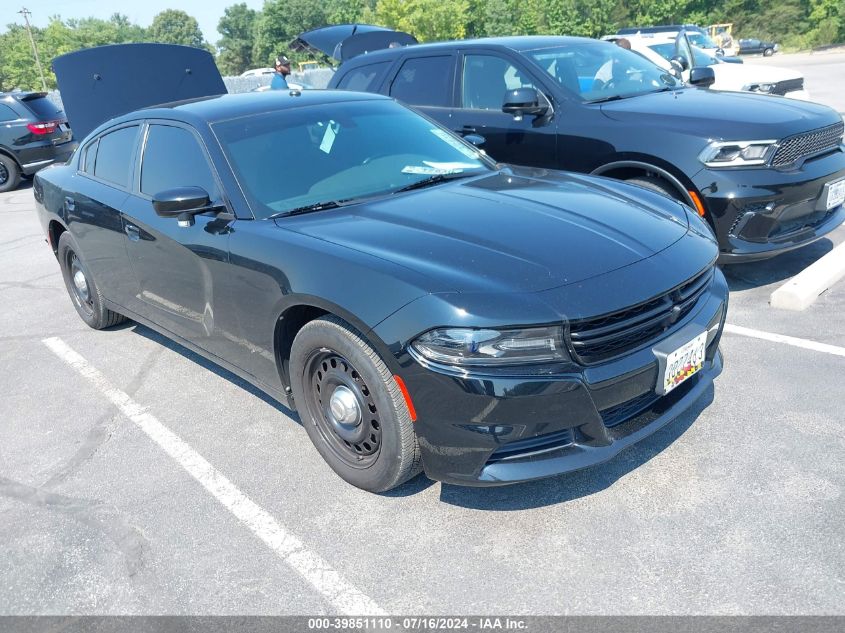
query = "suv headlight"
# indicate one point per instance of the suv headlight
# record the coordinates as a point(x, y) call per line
point(765, 88)
point(737, 153)
point(489, 348)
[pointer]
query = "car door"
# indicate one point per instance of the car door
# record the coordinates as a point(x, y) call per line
point(426, 84)
point(175, 265)
point(92, 209)
point(484, 78)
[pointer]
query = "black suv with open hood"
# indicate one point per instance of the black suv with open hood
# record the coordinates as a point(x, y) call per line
point(767, 173)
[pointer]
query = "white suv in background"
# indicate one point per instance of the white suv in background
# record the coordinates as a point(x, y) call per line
point(660, 49)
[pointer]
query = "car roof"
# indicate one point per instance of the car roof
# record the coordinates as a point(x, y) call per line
point(209, 110)
point(519, 43)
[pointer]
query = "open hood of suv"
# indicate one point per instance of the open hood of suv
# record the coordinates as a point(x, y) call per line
point(98, 84)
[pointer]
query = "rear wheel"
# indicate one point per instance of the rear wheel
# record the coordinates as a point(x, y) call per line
point(657, 184)
point(10, 173)
point(83, 291)
point(351, 406)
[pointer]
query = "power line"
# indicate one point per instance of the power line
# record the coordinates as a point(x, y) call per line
point(26, 13)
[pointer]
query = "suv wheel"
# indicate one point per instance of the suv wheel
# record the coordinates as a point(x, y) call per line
point(10, 173)
point(656, 184)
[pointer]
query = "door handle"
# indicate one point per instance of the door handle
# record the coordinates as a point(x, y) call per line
point(468, 129)
point(70, 203)
point(132, 232)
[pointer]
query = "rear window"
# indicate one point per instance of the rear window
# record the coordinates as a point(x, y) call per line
point(43, 108)
point(7, 114)
point(363, 79)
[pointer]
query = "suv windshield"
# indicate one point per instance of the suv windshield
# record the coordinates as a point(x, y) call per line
point(600, 71)
point(321, 156)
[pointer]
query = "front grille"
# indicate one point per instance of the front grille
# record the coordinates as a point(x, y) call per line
point(794, 148)
point(788, 85)
point(601, 338)
point(537, 444)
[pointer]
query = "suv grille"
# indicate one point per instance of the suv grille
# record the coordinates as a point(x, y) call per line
point(788, 85)
point(803, 145)
point(604, 337)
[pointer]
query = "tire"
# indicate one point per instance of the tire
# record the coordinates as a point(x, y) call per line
point(10, 173)
point(768, 52)
point(369, 439)
point(657, 184)
point(84, 294)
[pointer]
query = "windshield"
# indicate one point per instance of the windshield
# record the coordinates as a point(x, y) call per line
point(667, 50)
point(334, 153)
point(599, 71)
point(701, 40)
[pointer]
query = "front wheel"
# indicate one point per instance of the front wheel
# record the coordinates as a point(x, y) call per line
point(768, 52)
point(658, 185)
point(351, 406)
point(80, 285)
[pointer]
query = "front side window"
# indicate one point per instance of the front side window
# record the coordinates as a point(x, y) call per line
point(173, 158)
point(598, 71)
point(486, 78)
point(294, 158)
point(114, 156)
point(424, 81)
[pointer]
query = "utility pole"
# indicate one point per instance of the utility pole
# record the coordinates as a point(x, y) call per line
point(26, 13)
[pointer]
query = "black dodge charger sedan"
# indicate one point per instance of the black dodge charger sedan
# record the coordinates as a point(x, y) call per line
point(768, 174)
point(420, 306)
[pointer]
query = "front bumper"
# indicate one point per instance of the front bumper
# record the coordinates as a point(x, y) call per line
point(494, 429)
point(759, 213)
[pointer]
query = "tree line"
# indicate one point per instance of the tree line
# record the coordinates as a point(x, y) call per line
point(251, 38)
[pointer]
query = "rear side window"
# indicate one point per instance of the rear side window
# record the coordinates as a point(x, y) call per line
point(173, 158)
point(364, 78)
point(7, 114)
point(424, 81)
point(89, 158)
point(114, 156)
point(43, 109)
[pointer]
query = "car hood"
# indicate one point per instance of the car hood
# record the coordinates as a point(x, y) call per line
point(734, 76)
point(712, 114)
point(507, 232)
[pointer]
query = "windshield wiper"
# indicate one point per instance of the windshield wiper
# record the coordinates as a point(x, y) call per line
point(433, 180)
point(606, 99)
point(308, 208)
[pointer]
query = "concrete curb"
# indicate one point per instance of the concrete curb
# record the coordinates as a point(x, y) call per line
point(802, 290)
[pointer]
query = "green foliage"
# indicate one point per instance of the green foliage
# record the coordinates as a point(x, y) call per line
point(279, 24)
point(235, 47)
point(173, 26)
point(253, 38)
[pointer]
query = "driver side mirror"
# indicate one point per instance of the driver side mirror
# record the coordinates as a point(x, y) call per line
point(681, 61)
point(522, 101)
point(182, 203)
point(702, 76)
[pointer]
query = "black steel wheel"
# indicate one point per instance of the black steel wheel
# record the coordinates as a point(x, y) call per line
point(351, 407)
point(81, 287)
point(343, 408)
point(10, 173)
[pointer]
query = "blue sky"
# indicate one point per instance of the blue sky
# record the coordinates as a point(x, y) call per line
point(207, 12)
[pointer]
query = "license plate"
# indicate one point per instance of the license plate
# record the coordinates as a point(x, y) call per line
point(63, 127)
point(684, 362)
point(835, 193)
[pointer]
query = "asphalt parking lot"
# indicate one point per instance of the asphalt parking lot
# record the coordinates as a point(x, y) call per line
point(137, 478)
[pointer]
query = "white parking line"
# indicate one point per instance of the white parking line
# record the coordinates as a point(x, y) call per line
point(308, 564)
point(786, 340)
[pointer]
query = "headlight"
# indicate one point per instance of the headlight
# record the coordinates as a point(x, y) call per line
point(737, 153)
point(766, 88)
point(489, 348)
